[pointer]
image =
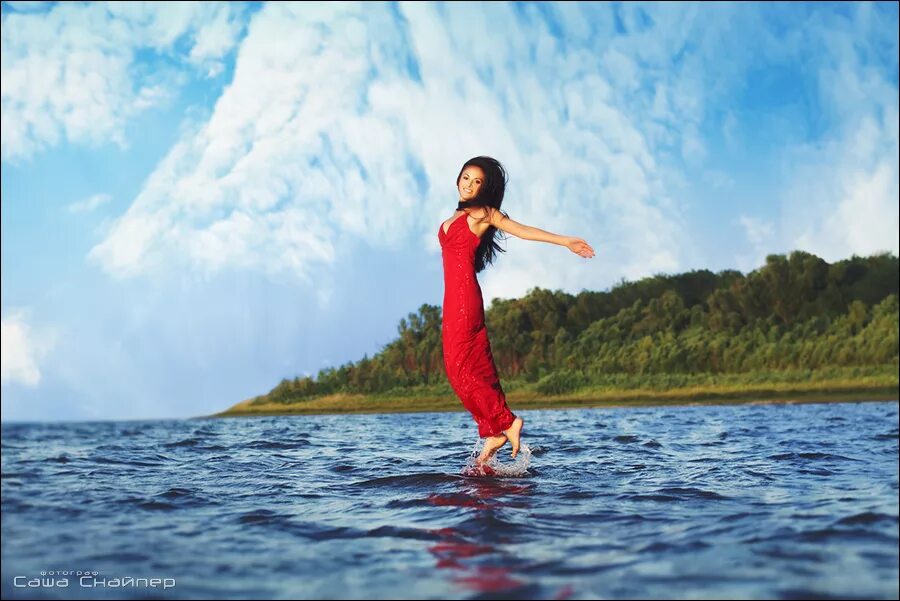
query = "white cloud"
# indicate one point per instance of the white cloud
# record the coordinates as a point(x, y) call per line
point(759, 232)
point(843, 197)
point(316, 143)
point(215, 40)
point(856, 210)
point(621, 69)
point(152, 95)
point(89, 204)
point(729, 129)
point(761, 235)
point(23, 348)
point(70, 72)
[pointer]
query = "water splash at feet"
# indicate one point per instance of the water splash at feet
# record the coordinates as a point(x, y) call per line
point(494, 467)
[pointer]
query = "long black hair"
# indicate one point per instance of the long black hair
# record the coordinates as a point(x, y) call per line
point(489, 195)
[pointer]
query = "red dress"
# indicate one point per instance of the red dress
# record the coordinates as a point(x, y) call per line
point(468, 361)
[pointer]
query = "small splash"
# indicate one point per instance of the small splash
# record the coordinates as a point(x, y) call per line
point(494, 467)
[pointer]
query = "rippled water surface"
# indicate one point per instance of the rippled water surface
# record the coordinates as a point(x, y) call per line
point(741, 501)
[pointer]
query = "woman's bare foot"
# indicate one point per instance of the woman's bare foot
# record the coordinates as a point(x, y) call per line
point(514, 434)
point(491, 445)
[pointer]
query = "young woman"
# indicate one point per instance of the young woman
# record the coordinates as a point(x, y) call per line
point(467, 247)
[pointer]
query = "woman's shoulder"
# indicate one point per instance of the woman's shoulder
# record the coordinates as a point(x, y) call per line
point(480, 213)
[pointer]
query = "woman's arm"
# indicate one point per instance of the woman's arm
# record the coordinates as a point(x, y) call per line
point(527, 232)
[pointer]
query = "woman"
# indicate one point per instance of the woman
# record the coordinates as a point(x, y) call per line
point(467, 246)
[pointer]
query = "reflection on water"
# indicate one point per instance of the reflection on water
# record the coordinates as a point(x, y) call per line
point(477, 566)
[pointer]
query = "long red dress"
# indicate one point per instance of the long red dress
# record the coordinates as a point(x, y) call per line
point(467, 352)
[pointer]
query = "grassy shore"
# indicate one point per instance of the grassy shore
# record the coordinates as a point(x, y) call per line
point(837, 390)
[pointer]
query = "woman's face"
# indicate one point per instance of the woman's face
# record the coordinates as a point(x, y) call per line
point(470, 182)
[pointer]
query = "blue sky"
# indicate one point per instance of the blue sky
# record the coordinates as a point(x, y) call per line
point(199, 200)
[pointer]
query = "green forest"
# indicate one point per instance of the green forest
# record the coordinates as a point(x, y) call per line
point(795, 324)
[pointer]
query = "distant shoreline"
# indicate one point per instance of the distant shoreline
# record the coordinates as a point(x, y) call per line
point(343, 404)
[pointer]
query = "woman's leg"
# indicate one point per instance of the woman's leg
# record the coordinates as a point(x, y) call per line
point(514, 433)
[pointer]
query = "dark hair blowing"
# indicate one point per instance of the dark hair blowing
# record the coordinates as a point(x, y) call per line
point(489, 195)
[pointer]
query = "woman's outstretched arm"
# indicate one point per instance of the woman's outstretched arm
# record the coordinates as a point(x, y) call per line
point(527, 232)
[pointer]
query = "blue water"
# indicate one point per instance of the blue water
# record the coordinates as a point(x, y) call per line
point(741, 501)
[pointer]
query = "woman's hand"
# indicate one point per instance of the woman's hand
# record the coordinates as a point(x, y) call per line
point(580, 247)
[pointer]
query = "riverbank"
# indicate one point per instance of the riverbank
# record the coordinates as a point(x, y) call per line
point(793, 392)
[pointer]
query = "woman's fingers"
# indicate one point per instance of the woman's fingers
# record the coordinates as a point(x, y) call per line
point(582, 248)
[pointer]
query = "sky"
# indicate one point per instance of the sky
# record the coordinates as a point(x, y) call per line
point(201, 199)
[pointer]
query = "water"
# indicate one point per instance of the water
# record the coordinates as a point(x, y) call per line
point(742, 501)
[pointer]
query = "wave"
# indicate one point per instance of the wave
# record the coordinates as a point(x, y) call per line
point(814, 456)
point(411, 480)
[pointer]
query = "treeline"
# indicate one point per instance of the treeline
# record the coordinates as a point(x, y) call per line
point(797, 312)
